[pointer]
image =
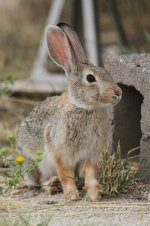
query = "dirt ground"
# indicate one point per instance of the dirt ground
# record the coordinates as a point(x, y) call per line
point(33, 207)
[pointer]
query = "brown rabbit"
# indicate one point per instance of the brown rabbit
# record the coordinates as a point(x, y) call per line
point(71, 129)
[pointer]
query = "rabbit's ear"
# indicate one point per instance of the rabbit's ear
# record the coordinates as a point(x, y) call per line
point(75, 42)
point(59, 47)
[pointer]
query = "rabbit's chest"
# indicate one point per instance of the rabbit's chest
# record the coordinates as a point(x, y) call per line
point(84, 137)
point(86, 131)
point(78, 134)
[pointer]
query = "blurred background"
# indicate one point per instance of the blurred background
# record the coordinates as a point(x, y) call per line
point(121, 27)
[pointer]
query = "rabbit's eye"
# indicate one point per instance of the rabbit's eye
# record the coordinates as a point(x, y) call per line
point(91, 78)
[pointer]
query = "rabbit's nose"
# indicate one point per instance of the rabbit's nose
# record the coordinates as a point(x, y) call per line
point(117, 94)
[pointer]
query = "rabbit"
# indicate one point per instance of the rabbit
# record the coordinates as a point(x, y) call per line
point(72, 129)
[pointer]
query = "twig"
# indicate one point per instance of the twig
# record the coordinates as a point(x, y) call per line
point(132, 150)
point(133, 157)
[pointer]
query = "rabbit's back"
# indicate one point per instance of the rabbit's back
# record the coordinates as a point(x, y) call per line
point(30, 134)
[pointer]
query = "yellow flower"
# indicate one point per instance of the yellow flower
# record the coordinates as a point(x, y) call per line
point(19, 159)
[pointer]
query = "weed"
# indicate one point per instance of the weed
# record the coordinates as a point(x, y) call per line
point(115, 174)
point(5, 81)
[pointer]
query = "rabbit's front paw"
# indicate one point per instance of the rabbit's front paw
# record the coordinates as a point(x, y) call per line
point(71, 192)
point(94, 192)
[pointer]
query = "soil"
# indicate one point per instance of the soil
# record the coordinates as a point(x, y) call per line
point(129, 208)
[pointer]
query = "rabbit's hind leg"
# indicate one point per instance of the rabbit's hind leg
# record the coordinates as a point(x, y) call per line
point(41, 175)
point(52, 186)
point(48, 176)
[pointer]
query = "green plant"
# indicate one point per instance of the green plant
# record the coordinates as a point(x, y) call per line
point(5, 81)
point(16, 169)
point(115, 174)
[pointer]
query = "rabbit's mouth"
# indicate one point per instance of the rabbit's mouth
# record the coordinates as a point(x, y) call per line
point(111, 96)
point(105, 99)
point(110, 100)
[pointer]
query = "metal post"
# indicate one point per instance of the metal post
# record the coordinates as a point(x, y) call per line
point(90, 31)
point(39, 73)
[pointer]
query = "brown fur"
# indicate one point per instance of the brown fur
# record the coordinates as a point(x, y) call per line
point(66, 175)
point(94, 189)
point(63, 99)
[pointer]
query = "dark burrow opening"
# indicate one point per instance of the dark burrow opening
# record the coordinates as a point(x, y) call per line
point(127, 117)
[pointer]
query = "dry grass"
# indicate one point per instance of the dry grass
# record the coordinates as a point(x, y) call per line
point(115, 174)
